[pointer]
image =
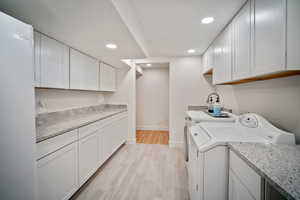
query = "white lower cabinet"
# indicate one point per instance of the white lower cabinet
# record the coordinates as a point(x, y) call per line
point(107, 141)
point(244, 182)
point(66, 162)
point(100, 147)
point(88, 157)
point(58, 174)
point(237, 190)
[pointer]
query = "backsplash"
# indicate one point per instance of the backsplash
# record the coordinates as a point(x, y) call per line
point(277, 100)
point(52, 100)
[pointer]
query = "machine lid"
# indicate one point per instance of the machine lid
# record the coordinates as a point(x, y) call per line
point(249, 127)
point(201, 116)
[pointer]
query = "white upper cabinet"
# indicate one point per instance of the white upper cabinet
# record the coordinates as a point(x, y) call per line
point(264, 43)
point(37, 59)
point(223, 57)
point(107, 77)
point(207, 60)
point(242, 43)
point(269, 36)
point(228, 53)
point(51, 63)
point(293, 33)
point(218, 61)
point(204, 61)
point(84, 71)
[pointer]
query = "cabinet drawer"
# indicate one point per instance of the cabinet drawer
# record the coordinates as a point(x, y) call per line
point(48, 146)
point(246, 175)
point(88, 129)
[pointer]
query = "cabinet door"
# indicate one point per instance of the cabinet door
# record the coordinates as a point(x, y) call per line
point(210, 58)
point(54, 64)
point(120, 130)
point(37, 59)
point(269, 36)
point(227, 54)
point(237, 191)
point(107, 78)
point(204, 61)
point(215, 168)
point(123, 131)
point(293, 32)
point(223, 57)
point(88, 157)
point(58, 174)
point(107, 141)
point(84, 71)
point(219, 62)
point(100, 147)
point(242, 43)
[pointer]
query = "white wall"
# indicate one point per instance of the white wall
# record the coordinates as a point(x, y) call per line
point(152, 99)
point(187, 87)
point(278, 100)
point(125, 94)
point(50, 100)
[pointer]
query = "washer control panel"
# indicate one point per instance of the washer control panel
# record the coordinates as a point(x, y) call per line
point(248, 120)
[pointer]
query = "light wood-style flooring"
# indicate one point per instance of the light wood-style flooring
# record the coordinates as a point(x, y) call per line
point(139, 172)
point(152, 137)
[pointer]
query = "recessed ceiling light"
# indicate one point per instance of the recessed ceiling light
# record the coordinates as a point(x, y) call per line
point(148, 65)
point(111, 46)
point(207, 20)
point(191, 51)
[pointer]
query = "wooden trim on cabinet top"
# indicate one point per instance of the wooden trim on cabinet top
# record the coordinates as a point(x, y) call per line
point(208, 72)
point(264, 77)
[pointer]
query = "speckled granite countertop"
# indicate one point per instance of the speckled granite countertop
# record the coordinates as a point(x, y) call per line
point(278, 164)
point(49, 125)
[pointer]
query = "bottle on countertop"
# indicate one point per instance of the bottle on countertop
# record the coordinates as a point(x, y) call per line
point(217, 108)
point(210, 105)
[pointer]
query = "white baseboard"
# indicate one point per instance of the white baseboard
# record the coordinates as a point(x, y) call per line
point(152, 128)
point(131, 141)
point(177, 144)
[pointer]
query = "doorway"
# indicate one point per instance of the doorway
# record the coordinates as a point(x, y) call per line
point(152, 104)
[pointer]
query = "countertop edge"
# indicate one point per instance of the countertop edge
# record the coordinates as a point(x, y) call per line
point(262, 174)
point(41, 139)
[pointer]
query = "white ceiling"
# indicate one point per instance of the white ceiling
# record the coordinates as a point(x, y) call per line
point(171, 27)
point(85, 25)
point(140, 28)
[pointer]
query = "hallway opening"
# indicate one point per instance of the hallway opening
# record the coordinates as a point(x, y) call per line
point(152, 104)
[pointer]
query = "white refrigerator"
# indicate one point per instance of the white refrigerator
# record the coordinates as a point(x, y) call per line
point(17, 112)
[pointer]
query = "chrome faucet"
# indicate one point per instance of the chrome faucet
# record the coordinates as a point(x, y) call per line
point(211, 95)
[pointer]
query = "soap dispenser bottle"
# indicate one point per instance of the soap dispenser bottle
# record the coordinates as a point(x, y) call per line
point(210, 105)
point(217, 108)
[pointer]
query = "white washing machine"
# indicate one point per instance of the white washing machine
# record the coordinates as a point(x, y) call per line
point(208, 151)
point(194, 117)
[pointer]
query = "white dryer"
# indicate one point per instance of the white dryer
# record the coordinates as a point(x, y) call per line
point(208, 151)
